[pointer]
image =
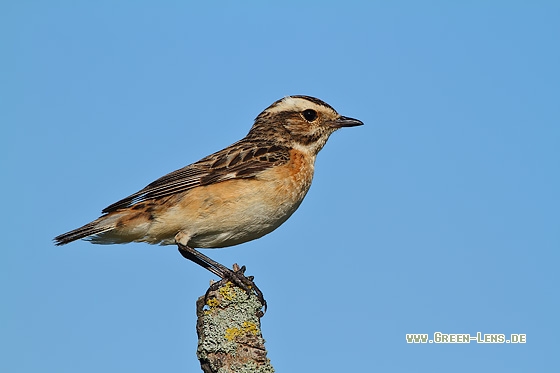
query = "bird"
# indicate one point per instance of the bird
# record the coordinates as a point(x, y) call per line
point(230, 197)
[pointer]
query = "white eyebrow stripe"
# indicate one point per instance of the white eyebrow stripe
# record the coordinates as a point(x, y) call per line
point(290, 103)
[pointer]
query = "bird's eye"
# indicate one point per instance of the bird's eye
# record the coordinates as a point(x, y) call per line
point(309, 115)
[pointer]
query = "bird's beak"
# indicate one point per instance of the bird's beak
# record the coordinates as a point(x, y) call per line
point(346, 122)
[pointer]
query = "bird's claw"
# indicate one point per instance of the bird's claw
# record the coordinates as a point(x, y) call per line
point(237, 277)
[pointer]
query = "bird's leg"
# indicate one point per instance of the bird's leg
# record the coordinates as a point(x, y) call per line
point(237, 276)
point(202, 260)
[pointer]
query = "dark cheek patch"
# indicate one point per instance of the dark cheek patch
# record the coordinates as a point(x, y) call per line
point(307, 139)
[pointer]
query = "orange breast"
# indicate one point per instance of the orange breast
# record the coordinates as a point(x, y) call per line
point(294, 178)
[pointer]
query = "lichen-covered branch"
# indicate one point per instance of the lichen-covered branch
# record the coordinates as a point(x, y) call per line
point(229, 332)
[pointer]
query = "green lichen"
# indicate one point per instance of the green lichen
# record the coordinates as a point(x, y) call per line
point(234, 317)
point(231, 326)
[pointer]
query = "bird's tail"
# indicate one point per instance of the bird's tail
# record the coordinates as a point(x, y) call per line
point(105, 223)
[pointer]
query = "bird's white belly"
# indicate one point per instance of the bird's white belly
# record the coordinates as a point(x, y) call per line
point(241, 226)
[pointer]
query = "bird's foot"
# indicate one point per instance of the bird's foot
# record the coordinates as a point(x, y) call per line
point(237, 277)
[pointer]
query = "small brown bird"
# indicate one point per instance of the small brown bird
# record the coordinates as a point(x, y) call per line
point(230, 197)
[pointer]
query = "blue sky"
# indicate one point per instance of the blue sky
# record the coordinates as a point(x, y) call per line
point(440, 214)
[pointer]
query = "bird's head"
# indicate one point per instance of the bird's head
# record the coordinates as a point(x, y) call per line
point(301, 122)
